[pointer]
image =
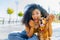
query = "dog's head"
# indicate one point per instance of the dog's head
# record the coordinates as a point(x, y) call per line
point(43, 22)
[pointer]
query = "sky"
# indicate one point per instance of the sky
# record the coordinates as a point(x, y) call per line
point(19, 5)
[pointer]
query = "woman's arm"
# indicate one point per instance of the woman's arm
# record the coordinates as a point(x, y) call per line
point(30, 31)
point(50, 30)
point(50, 20)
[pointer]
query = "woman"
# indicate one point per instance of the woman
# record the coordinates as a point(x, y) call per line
point(31, 20)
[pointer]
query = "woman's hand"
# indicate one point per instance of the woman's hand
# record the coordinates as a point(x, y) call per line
point(50, 18)
point(32, 24)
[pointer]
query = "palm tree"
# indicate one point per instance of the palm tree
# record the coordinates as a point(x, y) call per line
point(20, 14)
point(10, 11)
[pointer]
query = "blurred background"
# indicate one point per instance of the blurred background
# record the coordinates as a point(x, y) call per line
point(12, 11)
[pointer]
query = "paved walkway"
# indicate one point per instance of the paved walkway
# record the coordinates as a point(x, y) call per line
point(5, 29)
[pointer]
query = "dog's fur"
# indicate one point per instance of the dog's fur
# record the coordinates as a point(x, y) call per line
point(45, 32)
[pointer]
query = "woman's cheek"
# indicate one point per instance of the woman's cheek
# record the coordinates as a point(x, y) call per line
point(39, 17)
point(33, 17)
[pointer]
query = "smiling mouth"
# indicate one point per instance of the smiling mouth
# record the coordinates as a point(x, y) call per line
point(35, 19)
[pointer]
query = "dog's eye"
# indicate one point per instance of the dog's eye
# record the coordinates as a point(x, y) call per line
point(46, 20)
point(40, 19)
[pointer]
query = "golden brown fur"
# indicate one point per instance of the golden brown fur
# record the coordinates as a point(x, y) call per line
point(45, 32)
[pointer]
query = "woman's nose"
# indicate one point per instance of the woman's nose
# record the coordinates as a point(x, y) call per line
point(35, 15)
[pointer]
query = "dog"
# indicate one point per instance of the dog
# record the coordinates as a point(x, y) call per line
point(45, 29)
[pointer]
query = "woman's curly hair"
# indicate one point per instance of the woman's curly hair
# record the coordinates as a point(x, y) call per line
point(28, 13)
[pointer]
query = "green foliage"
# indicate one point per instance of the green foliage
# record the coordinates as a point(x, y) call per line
point(20, 14)
point(58, 14)
point(10, 11)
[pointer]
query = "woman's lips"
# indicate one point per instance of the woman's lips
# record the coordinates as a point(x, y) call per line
point(36, 20)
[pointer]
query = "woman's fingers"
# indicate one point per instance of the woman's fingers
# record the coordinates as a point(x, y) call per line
point(50, 18)
point(31, 23)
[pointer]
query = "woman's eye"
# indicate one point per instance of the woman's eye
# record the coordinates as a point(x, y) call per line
point(32, 14)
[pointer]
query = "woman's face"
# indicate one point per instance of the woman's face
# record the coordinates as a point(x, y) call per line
point(36, 15)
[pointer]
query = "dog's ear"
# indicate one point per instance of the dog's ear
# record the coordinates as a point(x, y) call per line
point(50, 18)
